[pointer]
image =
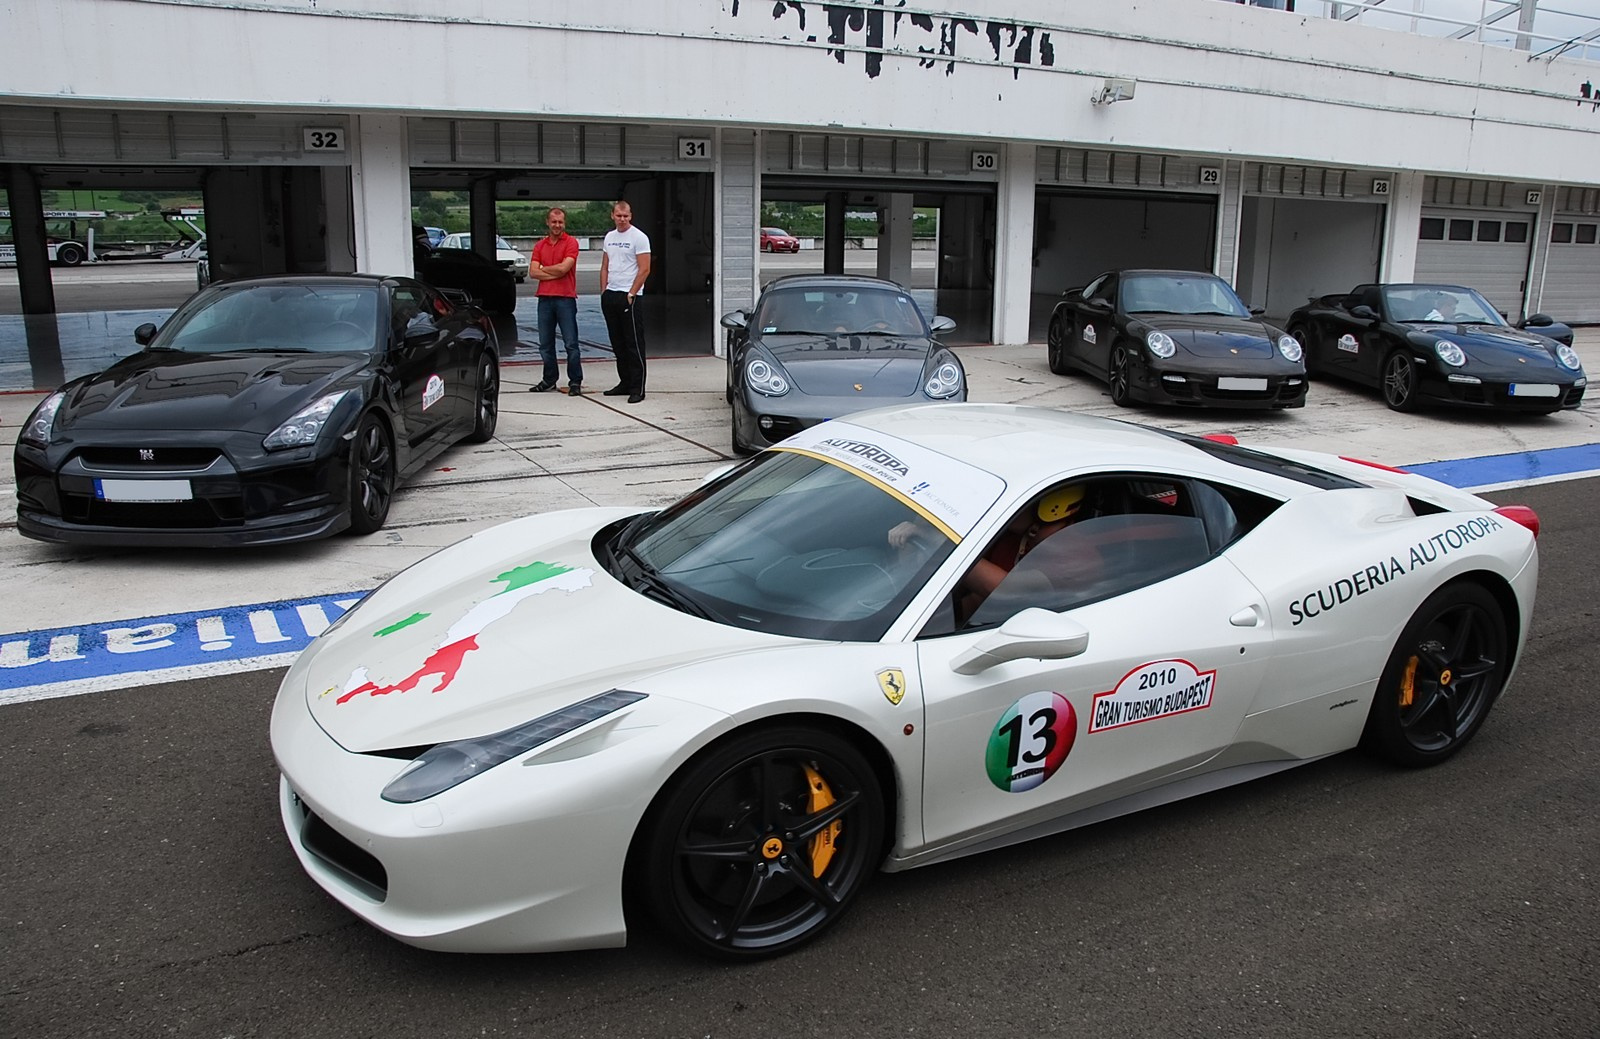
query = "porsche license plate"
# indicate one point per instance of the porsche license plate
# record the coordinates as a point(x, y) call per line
point(1234, 383)
point(143, 490)
point(1533, 389)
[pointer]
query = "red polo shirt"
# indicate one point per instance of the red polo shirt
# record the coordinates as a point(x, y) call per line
point(548, 252)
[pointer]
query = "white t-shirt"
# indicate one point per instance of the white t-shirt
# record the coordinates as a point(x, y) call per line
point(623, 249)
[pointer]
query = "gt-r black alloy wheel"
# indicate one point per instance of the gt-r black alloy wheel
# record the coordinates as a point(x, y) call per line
point(764, 842)
point(372, 475)
point(1120, 377)
point(488, 407)
point(1445, 672)
point(1055, 346)
point(1400, 382)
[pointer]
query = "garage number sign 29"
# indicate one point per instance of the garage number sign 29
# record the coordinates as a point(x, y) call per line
point(323, 139)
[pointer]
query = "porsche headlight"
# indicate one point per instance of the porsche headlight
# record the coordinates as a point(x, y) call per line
point(1564, 353)
point(37, 429)
point(946, 382)
point(1160, 344)
point(765, 378)
point(1450, 353)
point(303, 427)
point(451, 764)
point(1289, 347)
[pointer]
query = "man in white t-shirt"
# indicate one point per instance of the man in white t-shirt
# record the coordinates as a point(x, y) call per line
point(623, 270)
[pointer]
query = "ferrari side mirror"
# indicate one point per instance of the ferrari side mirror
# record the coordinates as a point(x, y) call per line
point(1033, 634)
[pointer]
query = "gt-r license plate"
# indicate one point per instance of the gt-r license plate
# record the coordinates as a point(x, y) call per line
point(1533, 389)
point(143, 490)
point(1228, 382)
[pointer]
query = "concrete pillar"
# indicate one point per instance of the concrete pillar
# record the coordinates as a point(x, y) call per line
point(895, 224)
point(1539, 258)
point(833, 233)
point(339, 224)
point(736, 201)
point(1525, 18)
point(1401, 224)
point(481, 198)
point(1013, 260)
point(380, 190)
point(28, 233)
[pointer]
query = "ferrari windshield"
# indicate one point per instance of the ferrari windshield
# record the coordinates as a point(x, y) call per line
point(837, 311)
point(1180, 294)
point(1447, 303)
point(326, 318)
point(788, 543)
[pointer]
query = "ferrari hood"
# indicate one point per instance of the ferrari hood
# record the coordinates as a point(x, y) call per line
point(1208, 335)
point(169, 390)
point(505, 627)
point(867, 366)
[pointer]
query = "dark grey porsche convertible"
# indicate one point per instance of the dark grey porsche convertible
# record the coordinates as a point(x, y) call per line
point(818, 347)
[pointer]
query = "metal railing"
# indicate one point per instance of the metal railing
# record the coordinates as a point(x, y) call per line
point(1546, 30)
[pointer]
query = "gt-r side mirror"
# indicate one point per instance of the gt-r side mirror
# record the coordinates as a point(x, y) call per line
point(735, 320)
point(941, 323)
point(1257, 311)
point(420, 331)
point(144, 333)
point(1363, 312)
point(1534, 321)
point(1033, 634)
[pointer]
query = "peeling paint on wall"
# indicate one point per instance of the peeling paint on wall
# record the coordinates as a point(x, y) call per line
point(933, 41)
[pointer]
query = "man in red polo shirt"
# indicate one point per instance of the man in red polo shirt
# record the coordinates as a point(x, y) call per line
point(555, 268)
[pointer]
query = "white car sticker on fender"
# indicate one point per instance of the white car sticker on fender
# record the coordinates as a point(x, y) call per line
point(1089, 335)
point(432, 392)
point(1347, 343)
point(1156, 690)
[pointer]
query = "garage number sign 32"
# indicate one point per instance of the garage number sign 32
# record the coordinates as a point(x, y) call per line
point(323, 139)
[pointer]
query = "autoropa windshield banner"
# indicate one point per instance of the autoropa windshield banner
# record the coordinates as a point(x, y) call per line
point(950, 494)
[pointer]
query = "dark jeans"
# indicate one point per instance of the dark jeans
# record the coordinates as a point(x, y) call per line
point(627, 337)
point(562, 310)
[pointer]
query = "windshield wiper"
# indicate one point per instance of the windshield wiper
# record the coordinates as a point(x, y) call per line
point(647, 580)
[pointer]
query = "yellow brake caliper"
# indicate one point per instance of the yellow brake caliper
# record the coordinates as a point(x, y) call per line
point(1408, 683)
point(822, 845)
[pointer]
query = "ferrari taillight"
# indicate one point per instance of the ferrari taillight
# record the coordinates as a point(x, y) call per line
point(1521, 514)
point(1221, 438)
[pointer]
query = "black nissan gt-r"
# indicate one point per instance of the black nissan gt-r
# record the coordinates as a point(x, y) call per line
point(1443, 344)
point(263, 411)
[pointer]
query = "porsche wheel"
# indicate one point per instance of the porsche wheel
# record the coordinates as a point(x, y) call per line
point(1445, 672)
point(1299, 335)
point(764, 843)
point(1119, 379)
point(487, 407)
point(1056, 347)
point(372, 476)
point(1400, 382)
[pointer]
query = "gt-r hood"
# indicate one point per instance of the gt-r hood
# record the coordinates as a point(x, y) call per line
point(1216, 336)
point(169, 390)
point(509, 625)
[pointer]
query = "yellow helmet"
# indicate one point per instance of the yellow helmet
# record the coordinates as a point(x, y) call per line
point(1061, 503)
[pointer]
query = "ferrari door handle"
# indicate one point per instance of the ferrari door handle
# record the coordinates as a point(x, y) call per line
point(1249, 617)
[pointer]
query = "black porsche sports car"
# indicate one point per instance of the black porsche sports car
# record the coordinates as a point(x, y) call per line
point(263, 411)
point(818, 346)
point(1438, 343)
point(1175, 337)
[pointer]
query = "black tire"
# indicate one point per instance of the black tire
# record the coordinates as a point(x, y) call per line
point(372, 475)
point(1119, 377)
point(1298, 334)
point(749, 858)
point(1056, 347)
point(486, 409)
point(70, 254)
point(1447, 669)
point(1399, 382)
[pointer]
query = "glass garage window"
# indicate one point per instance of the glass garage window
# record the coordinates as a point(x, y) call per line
point(1561, 233)
point(1432, 229)
point(1461, 230)
point(1516, 231)
point(1586, 234)
point(1488, 230)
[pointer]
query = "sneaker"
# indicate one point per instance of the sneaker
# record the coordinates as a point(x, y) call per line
point(574, 389)
point(541, 387)
point(636, 396)
point(618, 390)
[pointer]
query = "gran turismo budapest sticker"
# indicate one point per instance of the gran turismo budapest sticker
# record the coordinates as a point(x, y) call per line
point(1030, 742)
point(1347, 343)
point(1089, 335)
point(1156, 690)
point(432, 392)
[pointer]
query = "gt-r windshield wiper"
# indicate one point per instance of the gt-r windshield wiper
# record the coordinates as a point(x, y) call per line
point(648, 581)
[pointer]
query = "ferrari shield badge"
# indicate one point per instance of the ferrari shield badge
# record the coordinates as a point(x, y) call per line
point(892, 681)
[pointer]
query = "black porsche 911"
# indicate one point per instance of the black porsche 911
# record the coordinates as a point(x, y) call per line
point(263, 411)
point(1438, 343)
point(819, 346)
point(1175, 337)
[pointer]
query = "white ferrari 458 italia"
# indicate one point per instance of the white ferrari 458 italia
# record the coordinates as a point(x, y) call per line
point(894, 639)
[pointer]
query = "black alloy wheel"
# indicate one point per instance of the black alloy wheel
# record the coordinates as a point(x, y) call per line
point(1447, 668)
point(1056, 347)
point(763, 843)
point(487, 406)
point(372, 475)
point(1400, 381)
point(1298, 334)
point(1119, 378)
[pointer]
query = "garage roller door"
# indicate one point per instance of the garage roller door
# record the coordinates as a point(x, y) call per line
point(1483, 249)
point(1572, 273)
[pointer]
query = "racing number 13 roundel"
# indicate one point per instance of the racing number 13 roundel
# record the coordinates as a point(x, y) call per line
point(1030, 741)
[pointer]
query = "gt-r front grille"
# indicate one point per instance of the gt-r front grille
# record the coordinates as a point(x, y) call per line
point(148, 458)
point(199, 513)
point(360, 868)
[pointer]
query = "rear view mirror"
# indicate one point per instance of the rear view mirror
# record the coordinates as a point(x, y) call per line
point(735, 320)
point(1257, 311)
point(942, 324)
point(1539, 321)
point(1363, 312)
point(1032, 634)
point(144, 333)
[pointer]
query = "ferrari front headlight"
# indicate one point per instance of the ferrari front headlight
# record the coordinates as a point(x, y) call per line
point(450, 764)
point(1289, 347)
point(1161, 344)
point(765, 378)
point(1564, 353)
point(40, 424)
point(946, 382)
point(303, 427)
point(1450, 353)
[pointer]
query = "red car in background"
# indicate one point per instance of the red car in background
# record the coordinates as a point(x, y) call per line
point(777, 240)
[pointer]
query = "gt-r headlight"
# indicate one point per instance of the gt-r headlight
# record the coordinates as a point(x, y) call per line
point(1160, 344)
point(303, 427)
point(946, 382)
point(451, 764)
point(765, 378)
point(39, 425)
point(1289, 348)
point(1450, 353)
point(1564, 353)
